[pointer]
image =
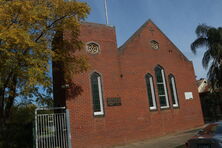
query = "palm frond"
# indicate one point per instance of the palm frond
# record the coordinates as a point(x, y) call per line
point(220, 32)
point(211, 38)
point(220, 77)
point(199, 42)
point(202, 30)
point(216, 51)
point(206, 59)
point(214, 75)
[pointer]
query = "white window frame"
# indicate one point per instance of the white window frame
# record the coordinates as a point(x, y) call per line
point(101, 112)
point(154, 107)
point(172, 79)
point(165, 90)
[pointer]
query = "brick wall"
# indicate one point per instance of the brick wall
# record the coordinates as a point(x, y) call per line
point(123, 72)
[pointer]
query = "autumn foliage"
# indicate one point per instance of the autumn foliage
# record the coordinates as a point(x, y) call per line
point(27, 29)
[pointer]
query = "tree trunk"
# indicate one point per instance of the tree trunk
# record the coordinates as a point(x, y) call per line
point(11, 97)
point(1, 108)
point(2, 98)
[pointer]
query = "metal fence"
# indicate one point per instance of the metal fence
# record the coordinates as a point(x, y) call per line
point(52, 128)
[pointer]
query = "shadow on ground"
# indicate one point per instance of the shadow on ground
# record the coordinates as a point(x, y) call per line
point(181, 146)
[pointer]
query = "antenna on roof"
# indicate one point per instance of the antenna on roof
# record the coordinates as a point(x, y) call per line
point(105, 5)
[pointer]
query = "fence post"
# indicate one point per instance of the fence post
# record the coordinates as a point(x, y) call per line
point(36, 130)
point(68, 128)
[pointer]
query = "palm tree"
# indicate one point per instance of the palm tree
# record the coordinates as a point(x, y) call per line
point(211, 39)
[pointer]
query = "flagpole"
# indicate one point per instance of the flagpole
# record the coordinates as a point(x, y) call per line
point(106, 12)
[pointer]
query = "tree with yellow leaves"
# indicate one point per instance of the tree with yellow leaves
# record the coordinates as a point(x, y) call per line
point(27, 29)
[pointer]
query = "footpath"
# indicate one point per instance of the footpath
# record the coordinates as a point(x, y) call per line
point(176, 140)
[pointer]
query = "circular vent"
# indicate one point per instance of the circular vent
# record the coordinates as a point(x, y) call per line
point(92, 48)
point(154, 44)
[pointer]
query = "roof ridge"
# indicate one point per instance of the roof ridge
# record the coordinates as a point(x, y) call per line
point(134, 34)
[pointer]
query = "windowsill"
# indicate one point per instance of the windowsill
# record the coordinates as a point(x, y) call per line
point(164, 107)
point(98, 114)
point(153, 109)
point(176, 106)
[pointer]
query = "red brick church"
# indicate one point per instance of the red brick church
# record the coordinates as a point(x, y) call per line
point(145, 88)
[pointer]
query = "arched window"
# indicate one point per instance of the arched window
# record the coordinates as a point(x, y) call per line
point(161, 87)
point(97, 95)
point(150, 91)
point(173, 91)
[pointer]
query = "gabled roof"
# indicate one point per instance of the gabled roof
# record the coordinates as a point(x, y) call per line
point(202, 85)
point(134, 35)
point(199, 82)
point(121, 48)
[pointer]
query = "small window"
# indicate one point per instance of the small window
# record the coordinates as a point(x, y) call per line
point(173, 91)
point(97, 94)
point(92, 48)
point(154, 44)
point(161, 87)
point(150, 91)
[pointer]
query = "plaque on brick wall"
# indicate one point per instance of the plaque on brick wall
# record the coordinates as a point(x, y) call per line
point(114, 101)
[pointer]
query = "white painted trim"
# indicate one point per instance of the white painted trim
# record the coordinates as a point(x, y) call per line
point(100, 94)
point(174, 92)
point(165, 89)
point(153, 94)
point(153, 108)
point(162, 107)
point(100, 98)
point(98, 113)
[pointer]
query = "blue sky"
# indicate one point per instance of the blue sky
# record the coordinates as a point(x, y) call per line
point(178, 19)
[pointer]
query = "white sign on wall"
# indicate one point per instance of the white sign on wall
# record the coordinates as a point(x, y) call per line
point(188, 95)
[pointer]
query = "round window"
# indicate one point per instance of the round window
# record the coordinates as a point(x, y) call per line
point(154, 44)
point(92, 48)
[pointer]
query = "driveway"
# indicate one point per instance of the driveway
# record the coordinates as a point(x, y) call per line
point(176, 140)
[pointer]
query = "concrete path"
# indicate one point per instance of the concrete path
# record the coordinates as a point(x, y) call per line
point(176, 140)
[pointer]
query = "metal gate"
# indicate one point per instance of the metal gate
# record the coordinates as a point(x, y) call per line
point(52, 128)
